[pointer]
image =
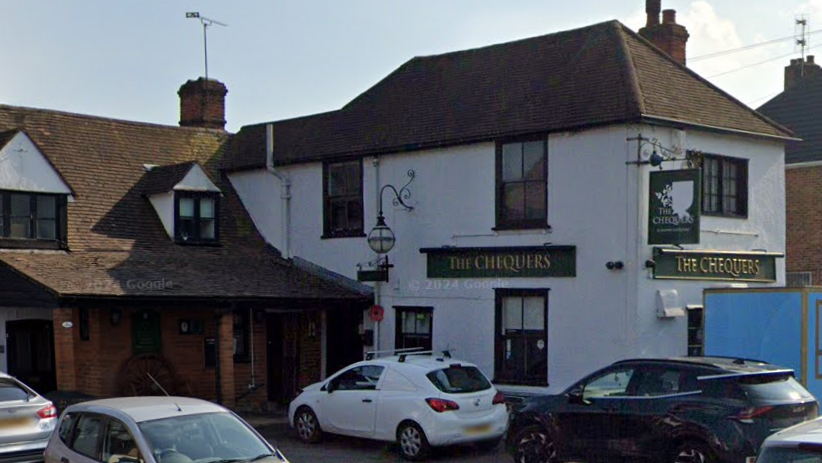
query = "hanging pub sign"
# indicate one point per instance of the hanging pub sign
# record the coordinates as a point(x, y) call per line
point(673, 207)
point(677, 264)
point(505, 262)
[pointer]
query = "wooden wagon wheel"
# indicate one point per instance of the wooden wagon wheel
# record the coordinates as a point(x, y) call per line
point(134, 376)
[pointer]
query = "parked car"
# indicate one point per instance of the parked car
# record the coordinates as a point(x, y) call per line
point(418, 401)
point(693, 409)
point(801, 443)
point(26, 422)
point(156, 430)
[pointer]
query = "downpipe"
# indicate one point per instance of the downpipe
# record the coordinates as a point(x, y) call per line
point(285, 193)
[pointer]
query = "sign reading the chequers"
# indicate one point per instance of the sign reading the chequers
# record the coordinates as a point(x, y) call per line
point(673, 207)
point(715, 265)
point(507, 262)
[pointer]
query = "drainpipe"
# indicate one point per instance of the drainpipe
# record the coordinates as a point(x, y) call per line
point(218, 386)
point(285, 192)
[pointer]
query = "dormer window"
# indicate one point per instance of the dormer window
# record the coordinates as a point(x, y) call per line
point(186, 201)
point(32, 220)
point(33, 196)
point(196, 217)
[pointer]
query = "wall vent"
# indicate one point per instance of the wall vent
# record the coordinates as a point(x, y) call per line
point(799, 278)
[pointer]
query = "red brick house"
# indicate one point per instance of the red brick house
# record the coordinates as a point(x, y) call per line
point(795, 108)
point(124, 253)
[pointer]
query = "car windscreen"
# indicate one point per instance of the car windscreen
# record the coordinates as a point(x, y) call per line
point(11, 391)
point(459, 380)
point(207, 437)
point(771, 388)
point(801, 454)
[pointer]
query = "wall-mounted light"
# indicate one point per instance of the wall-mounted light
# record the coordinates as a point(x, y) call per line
point(116, 316)
point(614, 265)
point(381, 239)
point(650, 263)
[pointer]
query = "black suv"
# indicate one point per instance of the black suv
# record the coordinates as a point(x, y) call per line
point(691, 409)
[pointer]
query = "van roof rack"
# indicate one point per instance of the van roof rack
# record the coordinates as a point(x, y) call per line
point(372, 354)
point(445, 354)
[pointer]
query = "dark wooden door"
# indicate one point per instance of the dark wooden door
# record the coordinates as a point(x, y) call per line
point(283, 357)
point(30, 346)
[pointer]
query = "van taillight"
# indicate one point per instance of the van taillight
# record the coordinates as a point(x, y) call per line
point(499, 398)
point(747, 415)
point(442, 405)
point(47, 412)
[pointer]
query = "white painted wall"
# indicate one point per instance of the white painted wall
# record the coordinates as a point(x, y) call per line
point(24, 168)
point(164, 205)
point(12, 313)
point(596, 202)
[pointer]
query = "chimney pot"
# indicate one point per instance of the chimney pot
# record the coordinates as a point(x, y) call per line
point(669, 17)
point(202, 103)
point(810, 59)
point(652, 8)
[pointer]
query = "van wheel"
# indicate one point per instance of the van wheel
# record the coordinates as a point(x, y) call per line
point(692, 452)
point(413, 444)
point(535, 445)
point(308, 428)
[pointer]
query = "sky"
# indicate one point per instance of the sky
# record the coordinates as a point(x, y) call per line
point(280, 59)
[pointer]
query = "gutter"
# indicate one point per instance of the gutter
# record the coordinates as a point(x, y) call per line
point(285, 192)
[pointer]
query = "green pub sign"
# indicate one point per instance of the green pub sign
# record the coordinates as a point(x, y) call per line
point(673, 206)
point(678, 264)
point(507, 262)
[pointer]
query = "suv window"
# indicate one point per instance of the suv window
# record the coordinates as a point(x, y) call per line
point(808, 453)
point(772, 388)
point(86, 435)
point(458, 379)
point(612, 383)
point(659, 382)
point(10, 391)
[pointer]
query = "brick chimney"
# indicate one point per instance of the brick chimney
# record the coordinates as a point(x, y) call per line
point(668, 36)
point(801, 71)
point(202, 103)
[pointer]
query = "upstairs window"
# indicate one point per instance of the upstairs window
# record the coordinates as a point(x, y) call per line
point(724, 186)
point(196, 218)
point(522, 173)
point(32, 220)
point(342, 195)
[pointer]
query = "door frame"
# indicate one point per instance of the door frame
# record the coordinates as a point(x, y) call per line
point(499, 338)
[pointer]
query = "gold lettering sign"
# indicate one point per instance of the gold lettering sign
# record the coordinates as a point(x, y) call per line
point(522, 262)
point(708, 265)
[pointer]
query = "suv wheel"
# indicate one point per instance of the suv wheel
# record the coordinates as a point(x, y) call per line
point(413, 444)
point(535, 445)
point(692, 452)
point(308, 428)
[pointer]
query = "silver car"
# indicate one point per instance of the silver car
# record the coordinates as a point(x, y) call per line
point(798, 444)
point(26, 422)
point(156, 430)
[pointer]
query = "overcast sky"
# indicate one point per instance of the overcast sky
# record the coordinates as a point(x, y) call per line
point(281, 59)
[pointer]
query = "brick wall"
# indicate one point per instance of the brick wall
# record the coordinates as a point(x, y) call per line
point(64, 350)
point(803, 197)
point(242, 370)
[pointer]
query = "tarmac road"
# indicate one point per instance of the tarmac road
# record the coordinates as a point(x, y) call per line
point(339, 449)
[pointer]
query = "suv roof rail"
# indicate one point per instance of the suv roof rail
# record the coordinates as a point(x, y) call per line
point(371, 354)
point(736, 360)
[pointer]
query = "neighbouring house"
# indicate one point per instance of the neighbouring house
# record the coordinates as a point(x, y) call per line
point(570, 197)
point(125, 253)
point(795, 108)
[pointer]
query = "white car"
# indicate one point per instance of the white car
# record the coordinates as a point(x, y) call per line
point(798, 444)
point(419, 401)
point(26, 422)
point(156, 430)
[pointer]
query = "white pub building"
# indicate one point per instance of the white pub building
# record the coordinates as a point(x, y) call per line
point(557, 203)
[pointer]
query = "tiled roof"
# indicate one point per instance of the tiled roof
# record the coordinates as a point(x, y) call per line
point(182, 273)
point(114, 234)
point(161, 179)
point(6, 137)
point(597, 75)
point(796, 108)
